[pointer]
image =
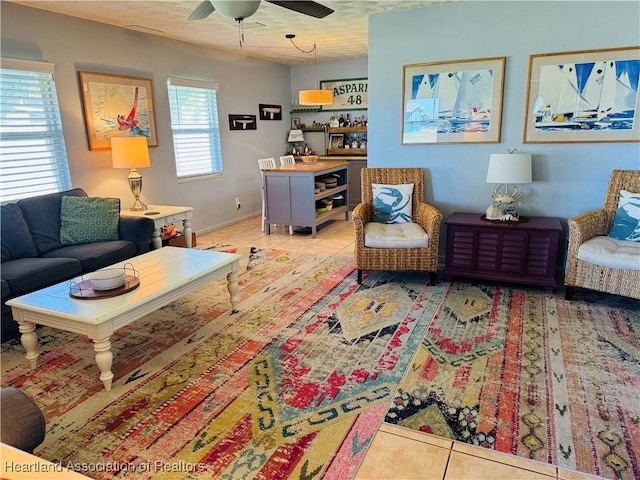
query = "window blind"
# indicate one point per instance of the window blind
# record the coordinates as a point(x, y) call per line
point(194, 121)
point(33, 155)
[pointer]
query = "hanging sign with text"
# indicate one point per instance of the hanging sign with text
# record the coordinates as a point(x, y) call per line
point(348, 94)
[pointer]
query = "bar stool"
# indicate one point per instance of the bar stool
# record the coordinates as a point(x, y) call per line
point(287, 160)
point(267, 163)
point(264, 163)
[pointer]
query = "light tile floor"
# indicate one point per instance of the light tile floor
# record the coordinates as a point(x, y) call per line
point(396, 452)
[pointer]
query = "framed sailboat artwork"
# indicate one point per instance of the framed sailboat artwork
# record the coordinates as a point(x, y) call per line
point(117, 106)
point(587, 96)
point(453, 102)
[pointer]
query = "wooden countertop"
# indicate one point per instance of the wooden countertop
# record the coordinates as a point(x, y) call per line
point(307, 167)
point(343, 157)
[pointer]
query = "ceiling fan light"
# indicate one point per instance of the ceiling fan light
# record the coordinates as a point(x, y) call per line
point(236, 9)
point(315, 97)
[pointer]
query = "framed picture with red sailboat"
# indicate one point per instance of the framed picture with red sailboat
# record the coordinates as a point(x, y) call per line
point(117, 106)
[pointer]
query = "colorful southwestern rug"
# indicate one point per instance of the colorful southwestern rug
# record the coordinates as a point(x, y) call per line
point(533, 375)
point(294, 385)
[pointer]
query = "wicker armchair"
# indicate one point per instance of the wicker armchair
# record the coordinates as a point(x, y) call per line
point(425, 215)
point(587, 225)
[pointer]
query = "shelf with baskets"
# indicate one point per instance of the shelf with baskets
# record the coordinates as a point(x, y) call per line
point(330, 193)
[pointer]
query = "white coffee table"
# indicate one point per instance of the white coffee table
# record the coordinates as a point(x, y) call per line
point(166, 274)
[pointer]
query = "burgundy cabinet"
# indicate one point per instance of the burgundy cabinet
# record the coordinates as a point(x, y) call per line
point(524, 252)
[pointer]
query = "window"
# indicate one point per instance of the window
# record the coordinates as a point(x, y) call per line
point(33, 155)
point(194, 122)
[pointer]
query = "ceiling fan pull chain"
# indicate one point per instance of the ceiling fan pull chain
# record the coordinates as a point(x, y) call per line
point(240, 33)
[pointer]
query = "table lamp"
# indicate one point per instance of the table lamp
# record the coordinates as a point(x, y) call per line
point(133, 153)
point(507, 168)
point(295, 136)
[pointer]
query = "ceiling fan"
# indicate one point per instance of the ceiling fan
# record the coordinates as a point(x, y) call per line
point(241, 9)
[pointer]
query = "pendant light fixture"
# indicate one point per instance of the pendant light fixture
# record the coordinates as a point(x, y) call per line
point(313, 96)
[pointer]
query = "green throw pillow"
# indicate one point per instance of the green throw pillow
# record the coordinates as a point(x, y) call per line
point(392, 203)
point(88, 219)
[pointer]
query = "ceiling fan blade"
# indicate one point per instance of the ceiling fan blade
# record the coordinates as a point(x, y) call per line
point(203, 10)
point(313, 9)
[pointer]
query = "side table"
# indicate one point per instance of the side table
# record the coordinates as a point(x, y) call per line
point(519, 252)
point(163, 215)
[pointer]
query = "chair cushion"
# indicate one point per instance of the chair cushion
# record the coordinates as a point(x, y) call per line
point(6, 291)
point(25, 275)
point(16, 238)
point(611, 252)
point(395, 235)
point(23, 425)
point(626, 223)
point(392, 203)
point(96, 255)
point(88, 219)
point(42, 214)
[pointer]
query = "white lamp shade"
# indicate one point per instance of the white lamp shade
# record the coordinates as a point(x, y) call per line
point(296, 136)
point(315, 97)
point(509, 168)
point(130, 152)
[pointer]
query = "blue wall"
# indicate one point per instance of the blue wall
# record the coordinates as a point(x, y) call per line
point(568, 178)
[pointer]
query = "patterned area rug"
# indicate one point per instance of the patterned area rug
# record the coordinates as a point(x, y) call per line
point(531, 375)
point(294, 385)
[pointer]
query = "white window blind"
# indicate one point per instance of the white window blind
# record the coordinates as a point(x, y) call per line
point(33, 156)
point(194, 121)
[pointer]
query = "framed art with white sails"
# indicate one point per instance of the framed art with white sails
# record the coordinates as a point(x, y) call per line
point(453, 102)
point(586, 96)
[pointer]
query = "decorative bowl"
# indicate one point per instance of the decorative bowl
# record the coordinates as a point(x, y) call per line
point(107, 279)
point(310, 158)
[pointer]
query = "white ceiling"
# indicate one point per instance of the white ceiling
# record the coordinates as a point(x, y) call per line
point(339, 36)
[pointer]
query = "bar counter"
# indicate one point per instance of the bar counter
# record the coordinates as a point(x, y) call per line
point(291, 197)
point(319, 166)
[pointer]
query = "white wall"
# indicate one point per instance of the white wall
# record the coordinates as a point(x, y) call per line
point(76, 45)
point(568, 178)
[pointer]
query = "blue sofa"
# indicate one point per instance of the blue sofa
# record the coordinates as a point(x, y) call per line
point(34, 257)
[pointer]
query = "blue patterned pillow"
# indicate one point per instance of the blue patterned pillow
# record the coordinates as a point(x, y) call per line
point(626, 223)
point(88, 219)
point(392, 203)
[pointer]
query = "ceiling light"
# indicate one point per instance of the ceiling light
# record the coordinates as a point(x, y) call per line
point(314, 96)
